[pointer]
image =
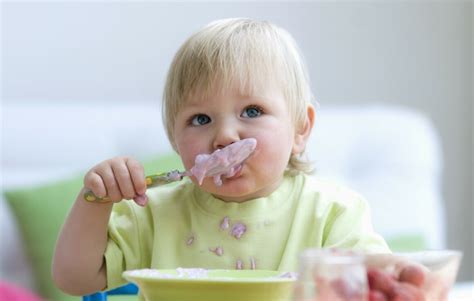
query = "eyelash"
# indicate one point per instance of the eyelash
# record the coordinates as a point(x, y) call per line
point(191, 119)
point(260, 109)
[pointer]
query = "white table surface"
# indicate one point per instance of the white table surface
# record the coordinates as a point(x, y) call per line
point(462, 291)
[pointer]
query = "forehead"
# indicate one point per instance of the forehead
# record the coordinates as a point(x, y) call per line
point(256, 89)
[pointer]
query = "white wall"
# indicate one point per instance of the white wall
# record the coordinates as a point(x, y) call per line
point(417, 54)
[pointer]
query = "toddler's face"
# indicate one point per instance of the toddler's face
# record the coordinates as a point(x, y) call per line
point(204, 125)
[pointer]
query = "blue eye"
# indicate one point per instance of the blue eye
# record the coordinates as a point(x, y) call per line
point(252, 112)
point(200, 119)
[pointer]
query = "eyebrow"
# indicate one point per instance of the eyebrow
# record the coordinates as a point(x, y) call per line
point(196, 102)
point(191, 106)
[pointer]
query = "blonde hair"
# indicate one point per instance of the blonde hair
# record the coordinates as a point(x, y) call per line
point(244, 53)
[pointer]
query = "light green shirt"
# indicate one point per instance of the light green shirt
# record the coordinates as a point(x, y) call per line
point(183, 226)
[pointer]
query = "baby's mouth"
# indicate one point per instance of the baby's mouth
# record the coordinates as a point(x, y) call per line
point(235, 172)
point(225, 163)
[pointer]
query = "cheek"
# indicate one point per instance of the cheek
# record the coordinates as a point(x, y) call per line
point(188, 160)
point(188, 150)
point(273, 151)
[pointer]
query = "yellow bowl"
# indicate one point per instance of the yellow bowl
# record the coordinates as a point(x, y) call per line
point(212, 285)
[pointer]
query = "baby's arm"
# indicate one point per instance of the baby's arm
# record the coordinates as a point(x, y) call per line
point(78, 264)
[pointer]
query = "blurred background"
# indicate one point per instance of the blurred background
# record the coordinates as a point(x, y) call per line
point(415, 54)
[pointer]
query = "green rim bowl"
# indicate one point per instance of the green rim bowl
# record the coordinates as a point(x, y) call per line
point(217, 285)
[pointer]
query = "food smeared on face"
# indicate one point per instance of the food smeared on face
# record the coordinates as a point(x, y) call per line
point(225, 162)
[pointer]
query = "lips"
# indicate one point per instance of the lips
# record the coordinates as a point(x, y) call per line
point(223, 163)
point(236, 172)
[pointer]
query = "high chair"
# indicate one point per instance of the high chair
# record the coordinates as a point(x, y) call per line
point(128, 289)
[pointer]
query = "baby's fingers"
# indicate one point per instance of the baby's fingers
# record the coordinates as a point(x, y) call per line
point(141, 200)
point(137, 174)
point(123, 178)
point(408, 292)
point(381, 281)
point(412, 274)
point(101, 181)
point(377, 296)
point(94, 182)
point(113, 189)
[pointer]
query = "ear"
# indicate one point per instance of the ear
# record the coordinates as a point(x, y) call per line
point(302, 134)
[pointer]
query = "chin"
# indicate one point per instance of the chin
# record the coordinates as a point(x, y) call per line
point(235, 190)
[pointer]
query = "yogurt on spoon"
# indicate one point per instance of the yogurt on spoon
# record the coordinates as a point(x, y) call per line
point(225, 162)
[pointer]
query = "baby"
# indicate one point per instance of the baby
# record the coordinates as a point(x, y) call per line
point(235, 79)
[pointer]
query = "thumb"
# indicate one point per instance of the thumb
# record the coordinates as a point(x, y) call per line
point(141, 200)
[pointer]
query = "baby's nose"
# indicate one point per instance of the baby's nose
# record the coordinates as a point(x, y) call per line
point(222, 145)
point(224, 137)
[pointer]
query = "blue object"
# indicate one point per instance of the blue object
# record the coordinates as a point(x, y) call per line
point(129, 289)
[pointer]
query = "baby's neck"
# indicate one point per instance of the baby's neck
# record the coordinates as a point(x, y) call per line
point(264, 192)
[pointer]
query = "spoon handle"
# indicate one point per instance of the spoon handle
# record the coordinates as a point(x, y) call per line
point(151, 181)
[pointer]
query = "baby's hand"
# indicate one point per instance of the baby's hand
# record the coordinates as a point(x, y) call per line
point(117, 179)
point(385, 287)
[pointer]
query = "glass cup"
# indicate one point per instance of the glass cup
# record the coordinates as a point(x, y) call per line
point(434, 271)
point(441, 270)
point(331, 275)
